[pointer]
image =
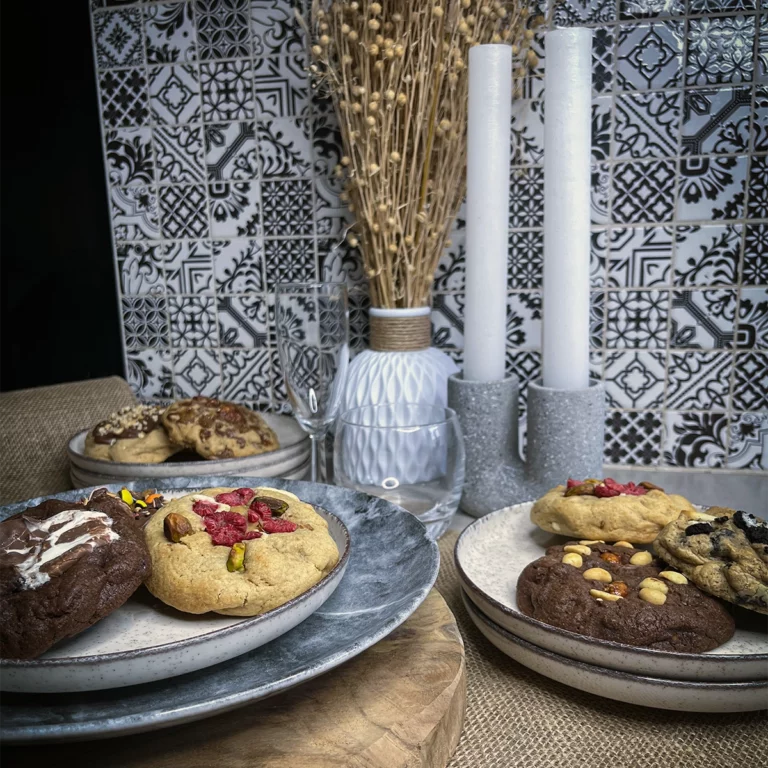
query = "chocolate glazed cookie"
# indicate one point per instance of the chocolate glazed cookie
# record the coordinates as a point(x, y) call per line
point(64, 566)
point(621, 594)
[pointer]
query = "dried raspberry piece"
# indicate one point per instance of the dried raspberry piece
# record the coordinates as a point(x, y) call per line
point(258, 511)
point(605, 491)
point(278, 526)
point(225, 518)
point(225, 536)
point(237, 498)
point(252, 535)
point(634, 490)
point(246, 494)
point(573, 483)
point(204, 508)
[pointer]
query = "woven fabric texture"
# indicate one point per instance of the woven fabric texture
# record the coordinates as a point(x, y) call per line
point(517, 718)
point(36, 425)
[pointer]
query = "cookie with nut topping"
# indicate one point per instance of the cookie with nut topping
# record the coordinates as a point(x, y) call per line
point(605, 509)
point(621, 594)
point(216, 429)
point(134, 435)
point(237, 551)
point(722, 551)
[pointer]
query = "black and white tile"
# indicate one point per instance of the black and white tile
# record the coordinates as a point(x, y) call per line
point(573, 13)
point(524, 320)
point(274, 28)
point(169, 31)
point(184, 211)
point(188, 267)
point(243, 320)
point(196, 372)
point(721, 6)
point(526, 259)
point(636, 319)
point(757, 207)
point(227, 90)
point(526, 198)
point(150, 373)
point(748, 441)
point(326, 144)
point(338, 262)
point(720, 50)
point(223, 28)
point(650, 56)
point(716, 121)
point(129, 156)
point(633, 437)
point(596, 319)
point(134, 213)
point(193, 321)
point(448, 320)
point(289, 261)
point(230, 151)
point(234, 209)
point(750, 381)
point(281, 87)
point(174, 93)
point(646, 9)
point(140, 268)
point(288, 208)
point(755, 267)
point(247, 375)
point(285, 149)
point(647, 124)
point(527, 132)
point(603, 39)
point(145, 321)
point(644, 191)
point(698, 381)
point(634, 380)
point(695, 440)
point(711, 188)
point(703, 319)
point(124, 98)
point(760, 120)
point(752, 329)
point(707, 255)
point(640, 257)
point(179, 153)
point(238, 266)
point(117, 38)
point(601, 191)
point(602, 107)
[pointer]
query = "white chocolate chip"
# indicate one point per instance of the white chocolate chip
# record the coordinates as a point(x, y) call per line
point(641, 558)
point(597, 574)
point(572, 559)
point(624, 544)
point(598, 594)
point(555, 526)
point(588, 542)
point(653, 596)
point(650, 583)
point(674, 577)
point(579, 549)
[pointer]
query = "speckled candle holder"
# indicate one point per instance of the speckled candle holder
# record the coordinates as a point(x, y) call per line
point(565, 433)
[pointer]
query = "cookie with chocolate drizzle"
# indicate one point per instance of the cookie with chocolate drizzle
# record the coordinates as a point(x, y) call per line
point(63, 567)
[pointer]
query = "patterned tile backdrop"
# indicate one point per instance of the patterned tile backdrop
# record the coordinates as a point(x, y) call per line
point(219, 161)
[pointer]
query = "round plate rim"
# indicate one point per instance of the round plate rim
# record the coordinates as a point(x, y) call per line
point(190, 641)
point(466, 581)
point(704, 685)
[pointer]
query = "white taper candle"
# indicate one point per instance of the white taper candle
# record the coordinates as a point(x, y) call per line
point(567, 121)
point(488, 136)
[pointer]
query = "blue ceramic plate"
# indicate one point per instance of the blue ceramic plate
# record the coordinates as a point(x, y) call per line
point(391, 567)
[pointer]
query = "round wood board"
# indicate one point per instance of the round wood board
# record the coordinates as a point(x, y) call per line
point(400, 704)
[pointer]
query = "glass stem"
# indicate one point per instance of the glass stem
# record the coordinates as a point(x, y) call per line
point(313, 475)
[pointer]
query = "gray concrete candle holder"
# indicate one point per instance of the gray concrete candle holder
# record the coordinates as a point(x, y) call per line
point(565, 438)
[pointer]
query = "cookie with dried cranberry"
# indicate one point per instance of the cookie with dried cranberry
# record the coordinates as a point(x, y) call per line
point(134, 435)
point(624, 595)
point(722, 551)
point(64, 566)
point(216, 429)
point(607, 510)
point(237, 551)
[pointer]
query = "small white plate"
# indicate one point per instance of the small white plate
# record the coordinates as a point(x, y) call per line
point(679, 695)
point(145, 640)
point(492, 553)
point(294, 449)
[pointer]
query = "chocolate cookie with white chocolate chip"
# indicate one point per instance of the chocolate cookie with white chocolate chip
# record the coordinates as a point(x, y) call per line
point(621, 594)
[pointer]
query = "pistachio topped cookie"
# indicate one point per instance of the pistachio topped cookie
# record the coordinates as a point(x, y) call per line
point(607, 510)
point(621, 594)
point(237, 551)
point(723, 552)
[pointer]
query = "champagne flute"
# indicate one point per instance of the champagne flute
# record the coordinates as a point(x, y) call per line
point(312, 322)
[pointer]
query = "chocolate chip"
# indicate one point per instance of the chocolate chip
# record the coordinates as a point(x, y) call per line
point(697, 528)
point(754, 529)
point(721, 520)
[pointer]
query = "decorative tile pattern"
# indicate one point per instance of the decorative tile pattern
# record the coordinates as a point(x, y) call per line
point(174, 93)
point(170, 33)
point(150, 374)
point(596, 319)
point(643, 191)
point(447, 321)
point(716, 121)
point(188, 268)
point(193, 321)
point(184, 211)
point(117, 37)
point(572, 13)
point(711, 188)
point(698, 381)
point(196, 372)
point(234, 208)
point(524, 320)
point(758, 188)
point(527, 132)
point(289, 261)
point(752, 330)
point(647, 124)
point(637, 319)
point(601, 128)
point(602, 59)
point(274, 28)
point(526, 259)
point(280, 86)
point(247, 375)
point(124, 99)
point(634, 380)
point(287, 207)
point(238, 266)
point(129, 156)
point(762, 48)
point(720, 50)
point(750, 385)
point(145, 321)
point(134, 213)
point(696, 440)
point(707, 255)
point(230, 151)
point(284, 148)
point(223, 28)
point(755, 268)
point(642, 9)
point(178, 153)
point(640, 257)
point(760, 120)
point(242, 321)
point(650, 55)
point(749, 438)
point(633, 437)
point(526, 198)
point(140, 267)
point(703, 319)
point(721, 6)
point(227, 90)
point(600, 193)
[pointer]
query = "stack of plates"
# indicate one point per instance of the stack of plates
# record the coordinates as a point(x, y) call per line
point(290, 461)
point(491, 554)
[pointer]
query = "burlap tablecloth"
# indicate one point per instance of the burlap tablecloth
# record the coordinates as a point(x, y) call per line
point(518, 719)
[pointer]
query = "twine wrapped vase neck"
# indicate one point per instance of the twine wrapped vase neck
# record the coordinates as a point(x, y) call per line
point(400, 330)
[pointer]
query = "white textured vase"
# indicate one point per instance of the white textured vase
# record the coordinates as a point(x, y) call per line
point(393, 377)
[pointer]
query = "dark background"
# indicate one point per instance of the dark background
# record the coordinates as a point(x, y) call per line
point(58, 307)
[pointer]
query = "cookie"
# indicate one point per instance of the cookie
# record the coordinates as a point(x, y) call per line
point(218, 430)
point(624, 595)
point(239, 552)
point(723, 552)
point(64, 566)
point(607, 510)
point(134, 435)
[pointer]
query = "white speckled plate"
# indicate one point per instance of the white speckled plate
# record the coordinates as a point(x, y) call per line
point(146, 640)
point(493, 551)
point(679, 695)
point(294, 451)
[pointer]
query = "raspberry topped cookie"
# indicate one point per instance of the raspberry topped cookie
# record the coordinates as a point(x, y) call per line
point(237, 551)
point(134, 434)
point(723, 552)
point(621, 594)
point(607, 510)
point(218, 430)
